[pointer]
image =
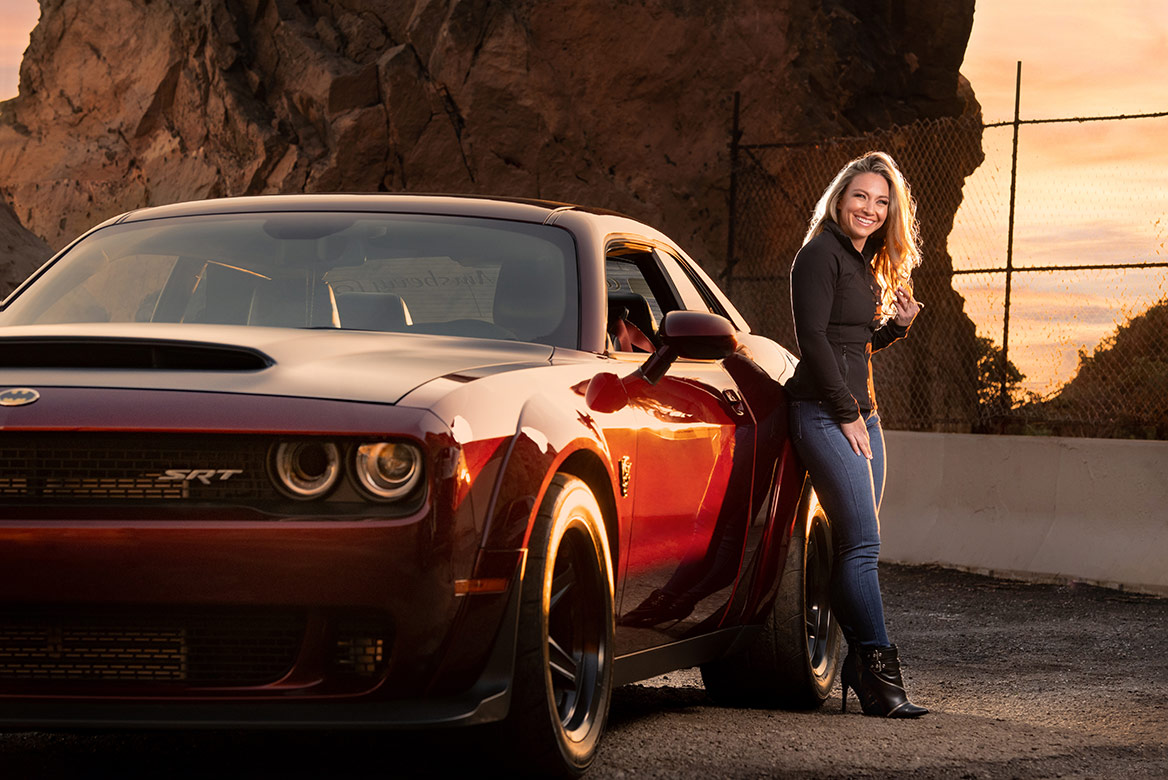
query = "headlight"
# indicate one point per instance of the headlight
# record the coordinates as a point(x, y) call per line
point(388, 470)
point(307, 469)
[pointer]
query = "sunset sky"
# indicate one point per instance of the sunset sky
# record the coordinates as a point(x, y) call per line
point(1092, 192)
point(1088, 193)
point(17, 18)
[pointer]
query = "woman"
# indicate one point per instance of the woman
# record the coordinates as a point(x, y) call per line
point(851, 295)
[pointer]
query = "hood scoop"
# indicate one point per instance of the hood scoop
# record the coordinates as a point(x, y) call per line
point(134, 354)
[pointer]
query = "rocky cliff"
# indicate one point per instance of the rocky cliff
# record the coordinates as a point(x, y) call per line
point(618, 104)
point(624, 104)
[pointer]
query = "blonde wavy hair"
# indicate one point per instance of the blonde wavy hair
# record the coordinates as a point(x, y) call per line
point(899, 236)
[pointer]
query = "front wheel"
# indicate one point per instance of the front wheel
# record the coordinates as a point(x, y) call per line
point(563, 665)
point(793, 662)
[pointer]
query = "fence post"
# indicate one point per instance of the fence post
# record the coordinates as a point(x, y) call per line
point(735, 133)
point(1003, 397)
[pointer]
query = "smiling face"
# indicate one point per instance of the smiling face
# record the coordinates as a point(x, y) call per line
point(863, 207)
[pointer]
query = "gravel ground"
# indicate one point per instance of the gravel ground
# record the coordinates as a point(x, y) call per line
point(1025, 681)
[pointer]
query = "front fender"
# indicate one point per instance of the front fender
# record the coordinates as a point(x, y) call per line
point(545, 438)
point(547, 434)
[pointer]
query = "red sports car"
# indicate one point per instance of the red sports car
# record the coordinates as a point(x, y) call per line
point(379, 461)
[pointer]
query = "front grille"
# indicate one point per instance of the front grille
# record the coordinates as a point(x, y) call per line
point(75, 467)
point(198, 648)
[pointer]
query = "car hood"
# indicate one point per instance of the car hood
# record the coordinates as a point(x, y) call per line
point(326, 363)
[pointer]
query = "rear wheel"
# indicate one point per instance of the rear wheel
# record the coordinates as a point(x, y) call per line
point(793, 662)
point(563, 667)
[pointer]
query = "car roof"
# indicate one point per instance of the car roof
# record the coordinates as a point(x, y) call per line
point(496, 207)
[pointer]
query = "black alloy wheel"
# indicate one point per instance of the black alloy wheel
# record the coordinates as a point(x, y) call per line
point(822, 629)
point(563, 668)
point(576, 641)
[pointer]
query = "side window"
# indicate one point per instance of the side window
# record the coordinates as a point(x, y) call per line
point(694, 295)
point(626, 278)
point(639, 295)
point(644, 283)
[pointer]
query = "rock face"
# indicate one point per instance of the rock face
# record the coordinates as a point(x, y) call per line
point(624, 105)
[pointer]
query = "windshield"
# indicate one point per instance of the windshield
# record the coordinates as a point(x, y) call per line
point(385, 272)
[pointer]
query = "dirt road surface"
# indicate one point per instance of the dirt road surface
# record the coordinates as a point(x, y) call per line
point(1025, 681)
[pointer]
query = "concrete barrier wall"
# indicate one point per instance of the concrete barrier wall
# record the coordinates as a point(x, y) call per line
point(1092, 510)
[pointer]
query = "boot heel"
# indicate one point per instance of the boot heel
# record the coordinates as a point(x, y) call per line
point(849, 678)
point(879, 685)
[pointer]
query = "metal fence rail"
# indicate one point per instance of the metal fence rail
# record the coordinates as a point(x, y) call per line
point(1059, 347)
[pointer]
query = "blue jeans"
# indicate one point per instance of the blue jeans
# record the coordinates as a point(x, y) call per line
point(849, 488)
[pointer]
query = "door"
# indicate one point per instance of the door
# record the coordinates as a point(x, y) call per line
point(692, 473)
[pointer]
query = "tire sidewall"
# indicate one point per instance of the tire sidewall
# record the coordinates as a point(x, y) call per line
point(775, 668)
point(570, 523)
point(817, 561)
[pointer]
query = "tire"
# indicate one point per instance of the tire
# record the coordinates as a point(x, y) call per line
point(793, 662)
point(564, 657)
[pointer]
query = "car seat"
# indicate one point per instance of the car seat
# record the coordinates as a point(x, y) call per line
point(373, 311)
point(293, 302)
point(630, 322)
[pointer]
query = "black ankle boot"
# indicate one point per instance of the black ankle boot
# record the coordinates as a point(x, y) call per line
point(874, 674)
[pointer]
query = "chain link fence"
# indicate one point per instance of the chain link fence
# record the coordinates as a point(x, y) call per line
point(1046, 300)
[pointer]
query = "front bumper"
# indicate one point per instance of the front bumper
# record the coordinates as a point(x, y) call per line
point(487, 699)
point(120, 624)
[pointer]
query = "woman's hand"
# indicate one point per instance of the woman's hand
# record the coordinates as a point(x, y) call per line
point(907, 307)
point(856, 432)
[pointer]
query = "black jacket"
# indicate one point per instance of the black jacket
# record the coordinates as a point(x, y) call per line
point(834, 298)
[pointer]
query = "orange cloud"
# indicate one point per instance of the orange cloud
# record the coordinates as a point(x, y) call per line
point(1079, 57)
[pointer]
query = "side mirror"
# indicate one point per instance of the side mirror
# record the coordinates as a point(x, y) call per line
point(696, 335)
